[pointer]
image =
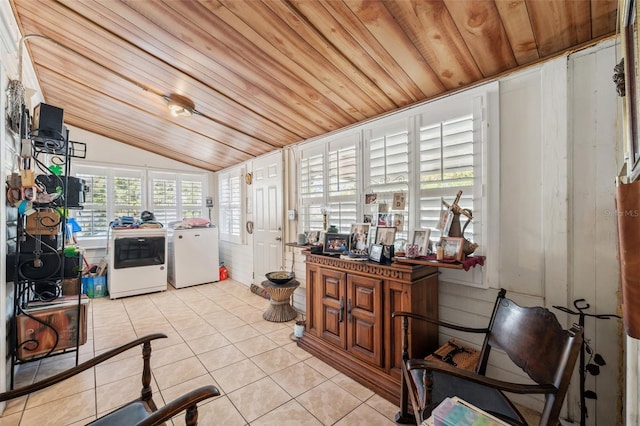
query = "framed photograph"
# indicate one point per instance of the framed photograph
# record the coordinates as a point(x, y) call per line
point(385, 235)
point(359, 236)
point(398, 221)
point(399, 200)
point(313, 237)
point(446, 217)
point(367, 218)
point(387, 254)
point(335, 243)
point(384, 219)
point(452, 248)
point(421, 238)
point(631, 52)
point(370, 198)
point(375, 253)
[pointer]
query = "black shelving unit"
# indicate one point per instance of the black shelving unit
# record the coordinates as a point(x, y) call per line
point(40, 262)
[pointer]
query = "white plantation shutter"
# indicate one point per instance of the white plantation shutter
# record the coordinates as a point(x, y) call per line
point(342, 169)
point(389, 161)
point(176, 196)
point(328, 180)
point(389, 168)
point(192, 197)
point(164, 190)
point(127, 192)
point(449, 161)
point(426, 153)
point(230, 209)
point(312, 191)
point(115, 192)
point(93, 218)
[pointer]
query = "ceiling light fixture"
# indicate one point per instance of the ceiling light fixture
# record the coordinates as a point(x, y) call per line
point(180, 106)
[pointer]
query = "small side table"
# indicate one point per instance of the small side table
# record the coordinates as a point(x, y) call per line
point(280, 309)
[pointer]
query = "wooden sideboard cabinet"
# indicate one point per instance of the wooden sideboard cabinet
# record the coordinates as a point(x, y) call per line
point(349, 324)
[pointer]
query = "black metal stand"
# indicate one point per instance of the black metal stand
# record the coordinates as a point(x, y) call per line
point(593, 369)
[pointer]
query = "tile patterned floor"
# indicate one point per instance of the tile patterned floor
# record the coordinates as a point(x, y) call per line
point(216, 335)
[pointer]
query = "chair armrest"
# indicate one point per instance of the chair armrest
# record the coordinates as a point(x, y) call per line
point(440, 323)
point(6, 396)
point(179, 405)
point(480, 379)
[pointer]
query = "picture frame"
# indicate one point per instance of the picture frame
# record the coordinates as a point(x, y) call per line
point(444, 224)
point(421, 238)
point(359, 236)
point(375, 254)
point(631, 45)
point(370, 198)
point(385, 235)
point(335, 243)
point(384, 219)
point(387, 254)
point(399, 200)
point(452, 248)
point(313, 237)
point(398, 221)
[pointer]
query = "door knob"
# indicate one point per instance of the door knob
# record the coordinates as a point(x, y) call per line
point(278, 238)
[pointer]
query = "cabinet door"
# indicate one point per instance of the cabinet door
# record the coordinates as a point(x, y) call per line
point(364, 318)
point(331, 297)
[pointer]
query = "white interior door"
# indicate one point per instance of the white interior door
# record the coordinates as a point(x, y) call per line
point(267, 212)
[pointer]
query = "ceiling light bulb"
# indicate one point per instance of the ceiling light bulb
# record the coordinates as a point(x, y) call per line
point(180, 106)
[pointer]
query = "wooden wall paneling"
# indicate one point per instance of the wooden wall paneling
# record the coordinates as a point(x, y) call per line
point(371, 63)
point(517, 25)
point(604, 15)
point(432, 30)
point(119, 120)
point(480, 25)
point(208, 58)
point(557, 24)
point(338, 73)
point(382, 25)
point(124, 95)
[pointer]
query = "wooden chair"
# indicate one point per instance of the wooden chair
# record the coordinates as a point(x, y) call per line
point(531, 337)
point(141, 411)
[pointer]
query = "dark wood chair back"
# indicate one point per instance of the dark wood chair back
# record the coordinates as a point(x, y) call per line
point(532, 337)
point(535, 341)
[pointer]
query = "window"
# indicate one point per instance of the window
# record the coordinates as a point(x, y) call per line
point(93, 218)
point(333, 166)
point(116, 192)
point(446, 152)
point(388, 171)
point(231, 205)
point(428, 153)
point(176, 196)
point(112, 193)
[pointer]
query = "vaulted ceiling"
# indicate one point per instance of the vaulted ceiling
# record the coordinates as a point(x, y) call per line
point(266, 74)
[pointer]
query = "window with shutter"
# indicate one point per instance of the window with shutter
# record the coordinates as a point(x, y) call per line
point(192, 196)
point(176, 196)
point(164, 195)
point(388, 171)
point(333, 167)
point(93, 218)
point(230, 208)
point(426, 154)
point(115, 192)
point(446, 155)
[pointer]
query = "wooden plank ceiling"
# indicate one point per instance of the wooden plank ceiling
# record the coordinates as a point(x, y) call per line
point(266, 74)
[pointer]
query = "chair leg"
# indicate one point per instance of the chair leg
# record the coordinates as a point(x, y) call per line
point(403, 416)
point(146, 393)
point(191, 418)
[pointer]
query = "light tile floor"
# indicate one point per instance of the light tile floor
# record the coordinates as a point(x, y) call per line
point(216, 335)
